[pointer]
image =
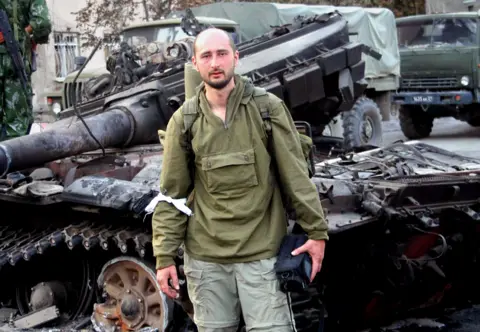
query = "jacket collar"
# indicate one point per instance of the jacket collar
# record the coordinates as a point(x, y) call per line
point(241, 94)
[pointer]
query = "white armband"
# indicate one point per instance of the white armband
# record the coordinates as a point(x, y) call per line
point(178, 203)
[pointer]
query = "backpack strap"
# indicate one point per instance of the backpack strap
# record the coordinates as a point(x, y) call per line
point(190, 114)
point(261, 98)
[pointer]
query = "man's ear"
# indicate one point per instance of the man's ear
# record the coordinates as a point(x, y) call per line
point(194, 62)
point(236, 57)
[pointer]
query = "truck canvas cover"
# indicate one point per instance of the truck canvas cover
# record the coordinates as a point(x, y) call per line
point(374, 27)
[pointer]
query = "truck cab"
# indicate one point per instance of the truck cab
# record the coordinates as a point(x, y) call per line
point(440, 70)
point(136, 35)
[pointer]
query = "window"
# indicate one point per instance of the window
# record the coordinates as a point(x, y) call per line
point(66, 49)
point(438, 32)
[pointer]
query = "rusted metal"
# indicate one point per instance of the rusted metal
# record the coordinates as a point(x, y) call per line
point(133, 298)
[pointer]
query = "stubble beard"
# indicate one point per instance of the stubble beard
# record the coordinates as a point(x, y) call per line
point(219, 85)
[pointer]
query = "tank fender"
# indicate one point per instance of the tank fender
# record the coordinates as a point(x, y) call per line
point(102, 191)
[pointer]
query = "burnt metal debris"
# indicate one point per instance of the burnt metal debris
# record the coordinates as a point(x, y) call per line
point(402, 220)
point(75, 240)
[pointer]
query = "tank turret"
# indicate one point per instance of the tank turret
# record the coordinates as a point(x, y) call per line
point(311, 64)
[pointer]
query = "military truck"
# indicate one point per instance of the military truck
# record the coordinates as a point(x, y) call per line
point(440, 70)
point(140, 34)
point(374, 27)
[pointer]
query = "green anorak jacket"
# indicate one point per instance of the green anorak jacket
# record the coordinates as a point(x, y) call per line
point(238, 214)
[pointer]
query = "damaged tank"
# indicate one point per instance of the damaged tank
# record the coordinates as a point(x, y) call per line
point(75, 233)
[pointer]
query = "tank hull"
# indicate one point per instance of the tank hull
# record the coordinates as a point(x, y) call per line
point(97, 225)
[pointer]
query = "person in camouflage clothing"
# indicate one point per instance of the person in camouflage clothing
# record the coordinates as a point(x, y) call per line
point(31, 25)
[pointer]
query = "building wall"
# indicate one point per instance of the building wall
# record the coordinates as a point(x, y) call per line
point(48, 76)
point(447, 6)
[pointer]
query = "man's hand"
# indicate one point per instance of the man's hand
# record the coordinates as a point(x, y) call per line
point(316, 249)
point(28, 30)
point(163, 277)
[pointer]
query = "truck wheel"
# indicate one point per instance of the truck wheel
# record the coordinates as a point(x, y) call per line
point(414, 122)
point(362, 125)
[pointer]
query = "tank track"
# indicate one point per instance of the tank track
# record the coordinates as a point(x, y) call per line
point(20, 245)
point(16, 245)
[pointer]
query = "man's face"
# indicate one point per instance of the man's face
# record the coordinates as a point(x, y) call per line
point(214, 59)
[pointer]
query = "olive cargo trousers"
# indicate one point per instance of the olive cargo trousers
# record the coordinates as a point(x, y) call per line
point(221, 292)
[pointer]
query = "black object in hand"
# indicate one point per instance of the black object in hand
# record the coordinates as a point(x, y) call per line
point(293, 272)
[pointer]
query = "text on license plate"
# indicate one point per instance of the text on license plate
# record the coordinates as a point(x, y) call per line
point(423, 99)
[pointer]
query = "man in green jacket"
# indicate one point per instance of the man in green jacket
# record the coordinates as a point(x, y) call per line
point(232, 238)
point(30, 23)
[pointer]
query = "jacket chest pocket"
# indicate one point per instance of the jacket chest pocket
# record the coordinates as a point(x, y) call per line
point(230, 171)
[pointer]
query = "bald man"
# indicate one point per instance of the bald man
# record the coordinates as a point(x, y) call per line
point(232, 239)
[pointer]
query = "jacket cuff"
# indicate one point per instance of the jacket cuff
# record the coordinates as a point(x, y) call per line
point(318, 235)
point(164, 261)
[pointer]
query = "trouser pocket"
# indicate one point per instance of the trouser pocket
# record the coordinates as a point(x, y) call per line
point(212, 291)
point(265, 307)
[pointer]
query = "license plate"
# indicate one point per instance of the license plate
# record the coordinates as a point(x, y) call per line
point(423, 99)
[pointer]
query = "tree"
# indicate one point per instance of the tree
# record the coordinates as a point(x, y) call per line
point(114, 15)
point(111, 15)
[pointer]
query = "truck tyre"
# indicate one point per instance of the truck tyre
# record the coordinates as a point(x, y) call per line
point(414, 122)
point(362, 125)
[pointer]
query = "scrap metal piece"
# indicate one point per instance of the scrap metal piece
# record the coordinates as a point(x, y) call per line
point(33, 319)
point(6, 313)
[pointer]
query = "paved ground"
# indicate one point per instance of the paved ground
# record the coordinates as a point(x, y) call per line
point(466, 320)
point(461, 138)
point(448, 133)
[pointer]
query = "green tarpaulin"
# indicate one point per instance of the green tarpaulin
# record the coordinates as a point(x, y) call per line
point(375, 26)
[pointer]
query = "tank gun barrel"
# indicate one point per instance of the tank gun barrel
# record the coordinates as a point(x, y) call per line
point(296, 64)
point(114, 128)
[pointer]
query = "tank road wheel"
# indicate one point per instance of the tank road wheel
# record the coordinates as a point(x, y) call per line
point(362, 125)
point(133, 297)
point(415, 122)
point(64, 282)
